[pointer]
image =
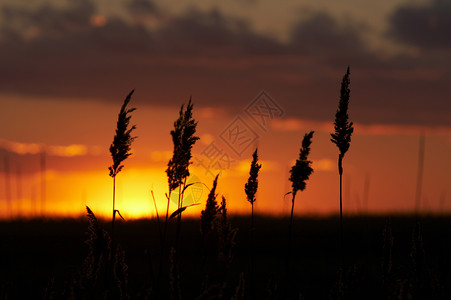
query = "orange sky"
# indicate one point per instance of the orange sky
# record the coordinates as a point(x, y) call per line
point(66, 67)
point(384, 158)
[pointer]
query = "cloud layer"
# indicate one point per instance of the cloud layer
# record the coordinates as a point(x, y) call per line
point(427, 26)
point(74, 51)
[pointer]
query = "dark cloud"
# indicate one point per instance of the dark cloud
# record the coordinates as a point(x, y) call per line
point(322, 34)
point(47, 21)
point(67, 53)
point(217, 59)
point(143, 7)
point(68, 56)
point(213, 35)
point(427, 26)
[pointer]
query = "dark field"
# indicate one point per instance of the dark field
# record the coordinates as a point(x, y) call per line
point(41, 258)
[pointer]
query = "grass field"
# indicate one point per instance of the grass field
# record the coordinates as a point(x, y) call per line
point(41, 258)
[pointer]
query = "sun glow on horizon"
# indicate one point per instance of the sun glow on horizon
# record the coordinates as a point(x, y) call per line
point(76, 174)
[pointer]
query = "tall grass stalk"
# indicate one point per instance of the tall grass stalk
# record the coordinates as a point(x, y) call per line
point(97, 265)
point(104, 271)
point(207, 218)
point(299, 174)
point(43, 181)
point(251, 189)
point(226, 239)
point(252, 184)
point(158, 216)
point(19, 188)
point(8, 188)
point(208, 215)
point(120, 149)
point(183, 138)
point(342, 138)
point(420, 169)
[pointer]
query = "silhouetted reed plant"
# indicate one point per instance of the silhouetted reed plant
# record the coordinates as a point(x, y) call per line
point(208, 215)
point(342, 138)
point(104, 271)
point(120, 148)
point(250, 189)
point(207, 222)
point(251, 186)
point(183, 138)
point(218, 241)
point(226, 236)
point(103, 274)
point(299, 174)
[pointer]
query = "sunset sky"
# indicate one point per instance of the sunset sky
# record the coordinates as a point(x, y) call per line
point(66, 67)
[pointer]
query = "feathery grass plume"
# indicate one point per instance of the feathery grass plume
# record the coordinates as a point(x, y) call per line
point(252, 183)
point(216, 271)
point(207, 218)
point(226, 241)
point(343, 128)
point(342, 138)
point(183, 138)
point(211, 209)
point(95, 275)
point(302, 169)
point(99, 244)
point(226, 236)
point(251, 189)
point(120, 147)
point(300, 173)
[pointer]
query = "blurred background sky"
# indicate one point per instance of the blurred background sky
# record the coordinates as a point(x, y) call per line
point(268, 70)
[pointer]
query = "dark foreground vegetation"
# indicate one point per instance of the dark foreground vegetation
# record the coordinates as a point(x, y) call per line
point(385, 258)
point(218, 257)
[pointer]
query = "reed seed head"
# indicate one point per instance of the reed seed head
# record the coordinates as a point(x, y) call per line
point(99, 256)
point(226, 235)
point(211, 209)
point(343, 128)
point(252, 183)
point(223, 209)
point(302, 169)
point(183, 138)
point(120, 148)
